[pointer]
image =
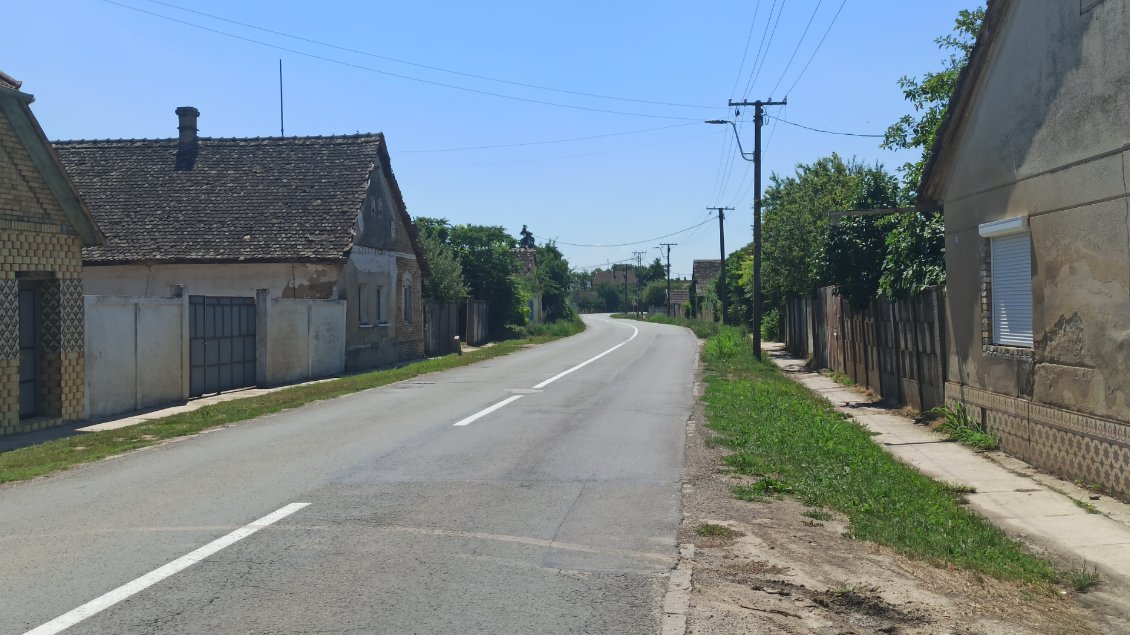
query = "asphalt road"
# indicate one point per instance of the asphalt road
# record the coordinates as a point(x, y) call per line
point(555, 512)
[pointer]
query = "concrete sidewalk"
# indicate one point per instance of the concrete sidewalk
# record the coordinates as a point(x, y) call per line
point(1038, 508)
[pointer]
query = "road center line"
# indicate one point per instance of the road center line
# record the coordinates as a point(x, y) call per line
point(486, 411)
point(128, 589)
point(635, 332)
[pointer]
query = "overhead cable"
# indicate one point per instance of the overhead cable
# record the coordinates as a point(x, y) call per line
point(640, 242)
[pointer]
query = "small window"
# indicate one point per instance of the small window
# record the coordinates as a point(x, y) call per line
point(1008, 300)
point(378, 313)
point(363, 304)
point(408, 304)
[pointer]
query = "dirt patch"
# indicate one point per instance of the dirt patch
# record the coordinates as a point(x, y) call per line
point(790, 574)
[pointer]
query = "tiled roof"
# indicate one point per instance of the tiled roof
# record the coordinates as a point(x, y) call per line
point(706, 270)
point(680, 296)
point(262, 199)
point(7, 81)
point(613, 277)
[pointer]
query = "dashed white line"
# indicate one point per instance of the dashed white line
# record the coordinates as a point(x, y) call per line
point(486, 411)
point(635, 332)
point(128, 589)
point(509, 400)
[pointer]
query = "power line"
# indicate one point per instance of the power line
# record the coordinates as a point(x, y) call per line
point(427, 66)
point(797, 49)
point(745, 51)
point(768, 45)
point(558, 157)
point(760, 47)
point(638, 242)
point(370, 69)
point(535, 143)
point(843, 134)
point(817, 49)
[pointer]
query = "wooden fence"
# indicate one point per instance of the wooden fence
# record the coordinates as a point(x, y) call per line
point(441, 326)
point(894, 348)
point(474, 324)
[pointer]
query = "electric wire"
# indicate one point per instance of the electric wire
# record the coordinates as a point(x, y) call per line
point(797, 49)
point(834, 132)
point(534, 143)
point(768, 46)
point(397, 75)
point(817, 49)
point(557, 157)
point(639, 242)
point(745, 51)
point(760, 48)
point(426, 66)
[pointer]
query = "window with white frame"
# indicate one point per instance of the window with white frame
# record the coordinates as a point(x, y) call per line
point(408, 303)
point(1009, 292)
point(379, 314)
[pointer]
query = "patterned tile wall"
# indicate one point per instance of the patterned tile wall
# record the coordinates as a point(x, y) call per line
point(1073, 445)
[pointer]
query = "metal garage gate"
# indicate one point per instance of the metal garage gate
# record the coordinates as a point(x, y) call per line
point(221, 332)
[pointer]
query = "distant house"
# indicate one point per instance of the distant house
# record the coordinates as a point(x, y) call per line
point(1032, 166)
point(679, 301)
point(615, 277)
point(43, 228)
point(703, 275)
point(315, 218)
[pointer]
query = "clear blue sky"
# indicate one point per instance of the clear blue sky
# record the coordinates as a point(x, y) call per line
point(101, 70)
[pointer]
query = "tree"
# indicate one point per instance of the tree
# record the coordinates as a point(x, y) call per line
point(489, 269)
point(554, 281)
point(916, 255)
point(655, 293)
point(857, 246)
point(611, 296)
point(930, 96)
point(654, 271)
point(446, 282)
point(527, 239)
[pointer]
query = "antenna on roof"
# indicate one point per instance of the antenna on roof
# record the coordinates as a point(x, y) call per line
point(282, 126)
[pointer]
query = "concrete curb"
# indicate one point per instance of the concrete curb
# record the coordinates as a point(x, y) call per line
point(677, 600)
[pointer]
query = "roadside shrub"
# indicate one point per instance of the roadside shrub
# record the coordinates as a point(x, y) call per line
point(729, 343)
point(958, 425)
point(771, 325)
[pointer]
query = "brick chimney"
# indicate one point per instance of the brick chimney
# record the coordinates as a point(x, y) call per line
point(187, 142)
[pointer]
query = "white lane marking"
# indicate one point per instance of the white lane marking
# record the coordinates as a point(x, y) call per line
point(104, 602)
point(486, 411)
point(635, 332)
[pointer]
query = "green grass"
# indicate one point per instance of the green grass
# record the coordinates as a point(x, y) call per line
point(799, 446)
point(561, 328)
point(838, 377)
point(817, 514)
point(701, 328)
point(36, 460)
point(711, 530)
point(958, 425)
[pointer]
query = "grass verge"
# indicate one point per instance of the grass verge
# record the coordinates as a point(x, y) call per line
point(701, 328)
point(36, 460)
point(799, 446)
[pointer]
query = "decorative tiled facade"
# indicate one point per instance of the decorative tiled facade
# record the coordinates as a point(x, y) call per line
point(1074, 445)
point(38, 249)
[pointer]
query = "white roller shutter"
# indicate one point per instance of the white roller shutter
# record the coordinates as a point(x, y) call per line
point(1012, 290)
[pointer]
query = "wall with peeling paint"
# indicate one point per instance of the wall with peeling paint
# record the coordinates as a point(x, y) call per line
point(285, 280)
point(1047, 138)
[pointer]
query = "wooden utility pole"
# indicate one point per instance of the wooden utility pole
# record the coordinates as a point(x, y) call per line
point(639, 288)
point(668, 246)
point(758, 122)
point(723, 292)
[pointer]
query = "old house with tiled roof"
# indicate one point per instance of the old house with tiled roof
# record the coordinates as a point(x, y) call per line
point(703, 275)
point(1031, 169)
point(43, 228)
point(233, 220)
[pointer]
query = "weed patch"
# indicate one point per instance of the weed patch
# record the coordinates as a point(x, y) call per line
point(711, 530)
point(958, 425)
point(1083, 579)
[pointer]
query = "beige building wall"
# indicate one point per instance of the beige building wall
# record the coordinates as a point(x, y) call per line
point(304, 281)
point(1048, 139)
point(38, 249)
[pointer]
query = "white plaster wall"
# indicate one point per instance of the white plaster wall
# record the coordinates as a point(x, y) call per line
point(134, 356)
point(302, 280)
point(306, 340)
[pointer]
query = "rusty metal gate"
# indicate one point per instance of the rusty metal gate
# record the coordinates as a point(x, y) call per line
point(221, 332)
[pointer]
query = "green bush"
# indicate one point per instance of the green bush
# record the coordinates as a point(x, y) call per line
point(771, 325)
point(728, 344)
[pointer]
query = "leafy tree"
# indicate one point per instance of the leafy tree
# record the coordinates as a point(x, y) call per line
point(930, 96)
point(856, 245)
point(655, 293)
point(916, 256)
point(446, 282)
point(554, 281)
point(654, 271)
point(489, 269)
point(611, 296)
